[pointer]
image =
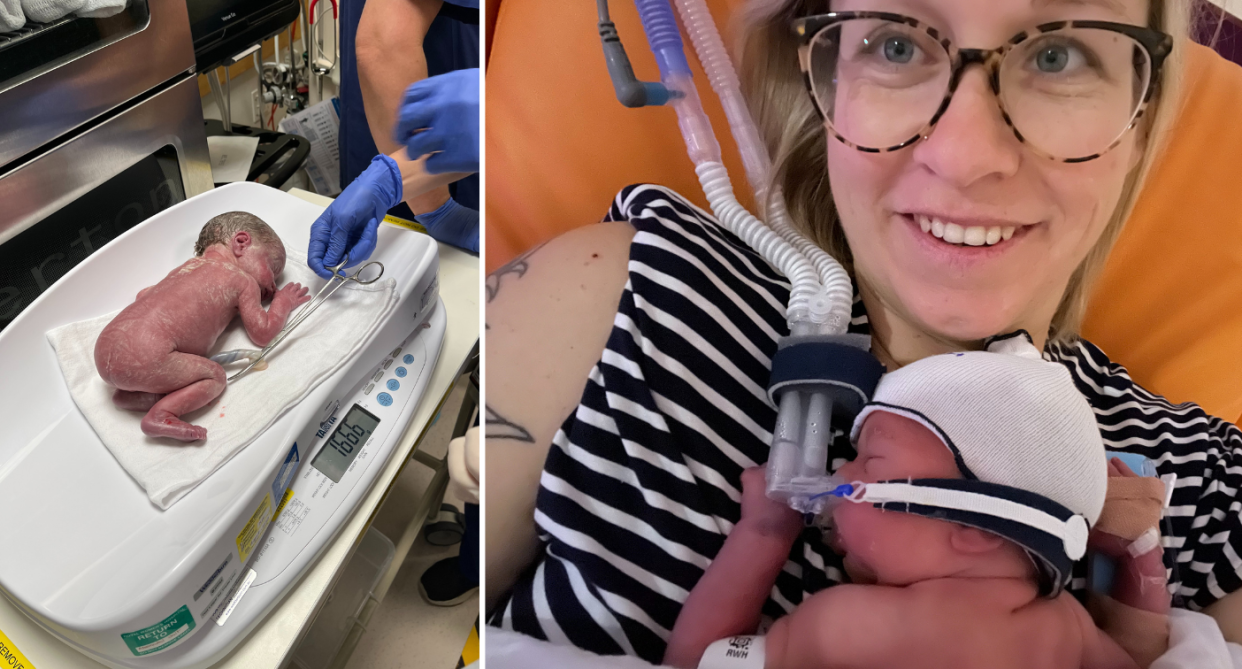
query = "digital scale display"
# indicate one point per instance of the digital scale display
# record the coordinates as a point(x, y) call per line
point(343, 446)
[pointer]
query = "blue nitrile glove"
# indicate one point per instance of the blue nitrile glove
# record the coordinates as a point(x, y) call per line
point(447, 106)
point(350, 223)
point(453, 224)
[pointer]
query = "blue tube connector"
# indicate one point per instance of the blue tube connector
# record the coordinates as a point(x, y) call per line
point(660, 24)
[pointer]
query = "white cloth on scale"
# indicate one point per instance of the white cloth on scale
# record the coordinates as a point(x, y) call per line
point(168, 469)
point(11, 15)
point(46, 11)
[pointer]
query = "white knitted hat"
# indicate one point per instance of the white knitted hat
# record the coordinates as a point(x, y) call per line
point(1013, 419)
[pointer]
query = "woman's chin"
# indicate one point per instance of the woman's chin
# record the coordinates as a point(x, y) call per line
point(963, 316)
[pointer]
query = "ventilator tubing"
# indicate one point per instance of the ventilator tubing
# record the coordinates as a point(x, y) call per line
point(821, 294)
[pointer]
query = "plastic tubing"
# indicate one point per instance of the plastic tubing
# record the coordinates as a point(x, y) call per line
point(758, 166)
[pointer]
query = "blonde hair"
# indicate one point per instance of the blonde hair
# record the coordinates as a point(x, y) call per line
point(797, 140)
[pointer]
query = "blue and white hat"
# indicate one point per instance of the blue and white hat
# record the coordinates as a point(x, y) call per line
point(1024, 438)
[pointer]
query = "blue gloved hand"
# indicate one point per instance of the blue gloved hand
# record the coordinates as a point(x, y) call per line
point(350, 223)
point(453, 224)
point(441, 114)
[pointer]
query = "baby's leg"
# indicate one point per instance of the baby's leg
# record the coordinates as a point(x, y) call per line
point(198, 380)
point(132, 400)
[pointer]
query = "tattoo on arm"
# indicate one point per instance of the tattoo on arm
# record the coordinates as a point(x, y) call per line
point(499, 427)
point(516, 268)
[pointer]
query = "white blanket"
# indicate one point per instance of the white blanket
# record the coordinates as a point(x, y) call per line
point(169, 469)
point(46, 11)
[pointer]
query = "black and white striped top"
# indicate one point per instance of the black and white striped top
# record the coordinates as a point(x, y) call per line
point(642, 483)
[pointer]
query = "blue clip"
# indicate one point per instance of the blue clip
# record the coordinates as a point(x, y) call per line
point(843, 490)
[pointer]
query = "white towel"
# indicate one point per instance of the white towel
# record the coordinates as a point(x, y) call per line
point(46, 11)
point(168, 469)
point(11, 15)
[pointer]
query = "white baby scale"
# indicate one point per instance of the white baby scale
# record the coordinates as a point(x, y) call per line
point(85, 553)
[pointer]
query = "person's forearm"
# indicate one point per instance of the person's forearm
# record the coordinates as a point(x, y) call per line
point(728, 599)
point(416, 182)
point(389, 49)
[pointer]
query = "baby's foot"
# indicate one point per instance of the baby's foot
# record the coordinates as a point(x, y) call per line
point(131, 400)
point(164, 424)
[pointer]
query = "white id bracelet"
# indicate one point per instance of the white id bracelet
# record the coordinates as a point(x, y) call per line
point(736, 652)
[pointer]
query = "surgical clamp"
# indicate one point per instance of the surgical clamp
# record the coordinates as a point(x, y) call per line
point(309, 308)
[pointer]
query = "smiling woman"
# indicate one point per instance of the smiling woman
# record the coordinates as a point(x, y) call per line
point(971, 163)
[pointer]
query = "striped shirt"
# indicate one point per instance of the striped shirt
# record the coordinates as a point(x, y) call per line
point(643, 481)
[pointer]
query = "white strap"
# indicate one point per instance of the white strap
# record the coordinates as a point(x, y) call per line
point(737, 652)
point(1072, 532)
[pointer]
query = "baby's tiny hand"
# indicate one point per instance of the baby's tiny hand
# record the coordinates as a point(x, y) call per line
point(766, 515)
point(292, 295)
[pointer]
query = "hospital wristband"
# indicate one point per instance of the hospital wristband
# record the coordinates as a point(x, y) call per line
point(736, 652)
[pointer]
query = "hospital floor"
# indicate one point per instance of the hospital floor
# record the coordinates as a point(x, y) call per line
point(406, 632)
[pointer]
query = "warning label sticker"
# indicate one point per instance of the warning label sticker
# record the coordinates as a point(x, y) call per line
point(162, 634)
point(10, 657)
point(254, 529)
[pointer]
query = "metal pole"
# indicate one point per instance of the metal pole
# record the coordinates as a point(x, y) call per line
point(213, 79)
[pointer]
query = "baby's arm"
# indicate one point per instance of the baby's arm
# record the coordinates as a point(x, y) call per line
point(262, 325)
point(1099, 650)
point(729, 597)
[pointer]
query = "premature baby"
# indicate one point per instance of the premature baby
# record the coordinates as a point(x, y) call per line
point(154, 351)
point(1005, 427)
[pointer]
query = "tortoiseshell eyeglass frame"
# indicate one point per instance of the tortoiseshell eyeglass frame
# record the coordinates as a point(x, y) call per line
point(1157, 44)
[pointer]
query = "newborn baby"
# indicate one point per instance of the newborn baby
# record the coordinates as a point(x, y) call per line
point(154, 351)
point(926, 574)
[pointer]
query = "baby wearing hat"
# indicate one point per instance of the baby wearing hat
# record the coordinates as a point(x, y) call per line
point(980, 473)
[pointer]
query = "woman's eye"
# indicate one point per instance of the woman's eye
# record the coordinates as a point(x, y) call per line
point(1058, 58)
point(899, 49)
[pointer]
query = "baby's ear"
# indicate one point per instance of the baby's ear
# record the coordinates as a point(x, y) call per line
point(974, 541)
point(240, 242)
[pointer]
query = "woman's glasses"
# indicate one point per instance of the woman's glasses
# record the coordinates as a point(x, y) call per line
point(1070, 90)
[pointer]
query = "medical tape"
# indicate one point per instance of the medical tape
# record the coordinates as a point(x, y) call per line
point(1145, 544)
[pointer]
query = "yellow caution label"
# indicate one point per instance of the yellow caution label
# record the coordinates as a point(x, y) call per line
point(10, 657)
point(254, 529)
point(408, 225)
point(283, 501)
point(470, 653)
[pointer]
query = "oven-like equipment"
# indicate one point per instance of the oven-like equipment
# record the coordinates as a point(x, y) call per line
point(101, 127)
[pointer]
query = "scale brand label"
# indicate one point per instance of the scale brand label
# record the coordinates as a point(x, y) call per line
point(10, 657)
point(162, 634)
point(250, 534)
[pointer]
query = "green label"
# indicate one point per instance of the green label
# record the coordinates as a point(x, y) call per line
point(162, 634)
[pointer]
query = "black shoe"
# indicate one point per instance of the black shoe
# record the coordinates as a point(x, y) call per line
point(443, 585)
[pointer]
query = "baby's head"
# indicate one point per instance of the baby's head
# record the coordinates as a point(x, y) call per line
point(256, 246)
point(1006, 424)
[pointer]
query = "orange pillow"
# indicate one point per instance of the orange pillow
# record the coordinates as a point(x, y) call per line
point(1169, 305)
point(559, 147)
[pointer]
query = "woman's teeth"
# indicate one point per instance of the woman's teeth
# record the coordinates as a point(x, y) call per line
point(956, 234)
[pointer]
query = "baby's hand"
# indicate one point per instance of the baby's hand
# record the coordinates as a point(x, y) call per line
point(291, 296)
point(766, 516)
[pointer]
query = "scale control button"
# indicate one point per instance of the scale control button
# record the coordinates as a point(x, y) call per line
point(396, 352)
point(378, 375)
point(387, 363)
point(367, 390)
point(393, 384)
point(400, 371)
point(408, 359)
point(384, 399)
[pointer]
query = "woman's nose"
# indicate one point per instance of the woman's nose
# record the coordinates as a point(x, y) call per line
point(971, 141)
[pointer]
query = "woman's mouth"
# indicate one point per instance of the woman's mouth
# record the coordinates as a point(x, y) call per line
point(973, 235)
point(957, 241)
